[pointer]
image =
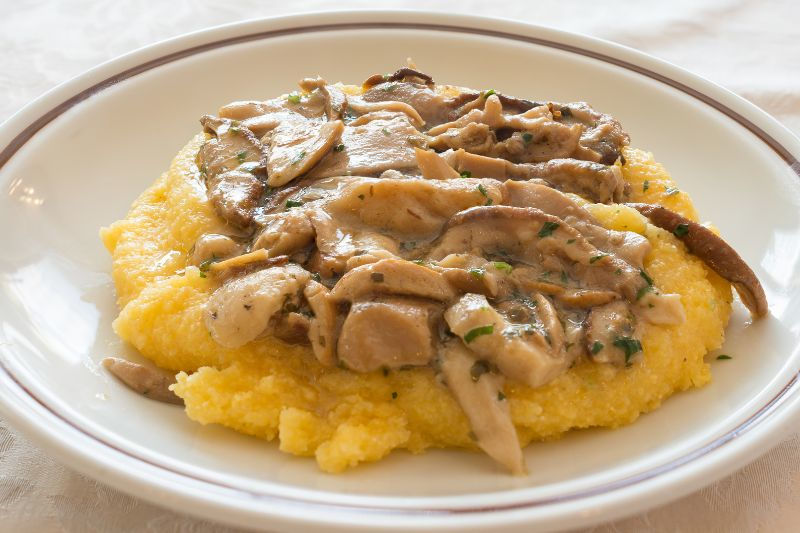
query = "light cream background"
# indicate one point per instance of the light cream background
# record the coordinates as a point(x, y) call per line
point(751, 47)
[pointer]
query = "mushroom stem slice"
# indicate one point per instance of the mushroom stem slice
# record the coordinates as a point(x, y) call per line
point(715, 252)
point(482, 400)
point(149, 382)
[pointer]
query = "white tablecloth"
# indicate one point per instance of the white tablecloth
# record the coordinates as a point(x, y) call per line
point(751, 47)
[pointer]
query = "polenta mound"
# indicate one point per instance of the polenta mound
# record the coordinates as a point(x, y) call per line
point(271, 389)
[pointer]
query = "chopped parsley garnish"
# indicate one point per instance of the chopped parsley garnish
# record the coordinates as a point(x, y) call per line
point(484, 192)
point(547, 229)
point(596, 258)
point(477, 332)
point(206, 265)
point(377, 277)
point(466, 174)
point(646, 277)
point(564, 277)
point(478, 369)
point(645, 185)
point(500, 396)
point(502, 265)
point(527, 137)
point(293, 203)
point(597, 346)
point(644, 290)
point(299, 157)
point(361, 197)
point(294, 98)
point(618, 272)
point(390, 88)
point(386, 132)
point(394, 395)
point(338, 148)
point(418, 262)
point(671, 191)
point(477, 273)
point(629, 345)
point(681, 230)
point(316, 277)
point(489, 93)
point(723, 357)
point(570, 241)
point(241, 156)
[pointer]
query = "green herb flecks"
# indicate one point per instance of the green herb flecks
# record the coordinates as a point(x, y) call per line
point(241, 156)
point(629, 345)
point(466, 174)
point(723, 357)
point(485, 193)
point(293, 203)
point(527, 137)
point(500, 396)
point(338, 148)
point(386, 132)
point(206, 265)
point(644, 290)
point(645, 185)
point(547, 229)
point(490, 92)
point(646, 277)
point(477, 332)
point(294, 98)
point(671, 191)
point(477, 273)
point(597, 346)
point(597, 258)
point(681, 230)
point(502, 265)
point(299, 157)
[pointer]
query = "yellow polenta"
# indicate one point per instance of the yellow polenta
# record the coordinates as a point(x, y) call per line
point(270, 389)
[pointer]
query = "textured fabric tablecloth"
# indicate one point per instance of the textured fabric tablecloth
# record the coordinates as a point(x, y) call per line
point(751, 47)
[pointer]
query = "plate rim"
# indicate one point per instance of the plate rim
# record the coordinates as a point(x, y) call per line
point(114, 467)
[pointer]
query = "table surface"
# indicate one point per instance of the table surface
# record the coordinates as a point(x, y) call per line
point(750, 47)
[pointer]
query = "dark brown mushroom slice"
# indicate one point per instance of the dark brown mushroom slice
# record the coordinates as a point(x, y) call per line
point(235, 194)
point(149, 382)
point(714, 252)
point(401, 74)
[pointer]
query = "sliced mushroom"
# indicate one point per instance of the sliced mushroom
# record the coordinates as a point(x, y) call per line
point(361, 106)
point(285, 233)
point(241, 309)
point(434, 167)
point(531, 355)
point(213, 246)
point(602, 139)
point(235, 194)
point(388, 333)
point(611, 335)
point(322, 330)
point(392, 276)
point(714, 251)
point(295, 147)
point(370, 149)
point(481, 397)
point(628, 245)
point(147, 381)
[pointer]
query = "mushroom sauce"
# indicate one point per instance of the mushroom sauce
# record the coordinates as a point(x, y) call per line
point(414, 224)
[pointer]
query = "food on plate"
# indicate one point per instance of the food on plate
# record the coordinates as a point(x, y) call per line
point(411, 265)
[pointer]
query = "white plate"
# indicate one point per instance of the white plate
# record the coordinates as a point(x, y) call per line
point(78, 156)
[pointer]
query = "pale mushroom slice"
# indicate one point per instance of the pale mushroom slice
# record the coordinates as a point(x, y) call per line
point(480, 395)
point(611, 334)
point(284, 233)
point(388, 333)
point(212, 247)
point(361, 106)
point(626, 244)
point(241, 309)
point(297, 146)
point(392, 276)
point(322, 330)
point(433, 167)
point(149, 382)
point(714, 251)
point(523, 352)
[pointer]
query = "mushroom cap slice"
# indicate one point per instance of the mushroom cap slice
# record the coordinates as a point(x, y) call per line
point(296, 146)
point(484, 404)
point(389, 333)
point(150, 382)
point(525, 353)
point(322, 329)
point(714, 252)
point(392, 276)
point(240, 310)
